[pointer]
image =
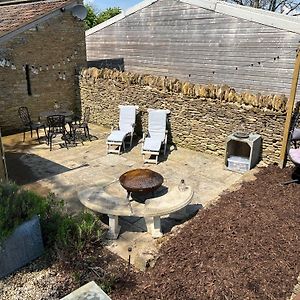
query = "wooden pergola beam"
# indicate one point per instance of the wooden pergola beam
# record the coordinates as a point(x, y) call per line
point(290, 108)
point(2, 157)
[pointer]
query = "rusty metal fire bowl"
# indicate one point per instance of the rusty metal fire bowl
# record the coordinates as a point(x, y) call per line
point(141, 181)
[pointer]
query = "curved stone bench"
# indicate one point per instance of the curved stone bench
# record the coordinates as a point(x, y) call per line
point(97, 199)
point(169, 203)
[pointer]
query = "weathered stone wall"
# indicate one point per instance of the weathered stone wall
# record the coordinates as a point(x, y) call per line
point(53, 49)
point(201, 116)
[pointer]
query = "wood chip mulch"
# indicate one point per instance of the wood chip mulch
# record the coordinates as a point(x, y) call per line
point(244, 247)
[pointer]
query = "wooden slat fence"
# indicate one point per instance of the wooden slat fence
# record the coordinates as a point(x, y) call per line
point(171, 38)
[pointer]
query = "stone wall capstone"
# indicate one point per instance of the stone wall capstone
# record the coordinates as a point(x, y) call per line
point(201, 116)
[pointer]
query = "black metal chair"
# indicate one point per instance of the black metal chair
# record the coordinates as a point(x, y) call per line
point(82, 124)
point(28, 124)
point(56, 125)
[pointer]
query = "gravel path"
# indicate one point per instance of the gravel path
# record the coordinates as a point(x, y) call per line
point(38, 280)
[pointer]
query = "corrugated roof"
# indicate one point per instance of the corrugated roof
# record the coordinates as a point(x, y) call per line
point(256, 15)
point(14, 16)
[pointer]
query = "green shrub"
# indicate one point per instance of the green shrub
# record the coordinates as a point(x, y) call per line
point(58, 229)
point(17, 206)
point(72, 232)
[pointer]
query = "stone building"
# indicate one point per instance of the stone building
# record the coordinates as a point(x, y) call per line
point(42, 49)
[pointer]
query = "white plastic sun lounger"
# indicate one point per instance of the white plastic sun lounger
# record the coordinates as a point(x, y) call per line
point(116, 140)
point(156, 136)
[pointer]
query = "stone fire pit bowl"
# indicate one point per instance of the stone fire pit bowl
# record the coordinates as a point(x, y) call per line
point(141, 181)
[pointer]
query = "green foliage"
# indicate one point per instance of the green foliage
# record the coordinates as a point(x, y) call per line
point(59, 229)
point(93, 18)
point(108, 13)
point(107, 285)
point(75, 232)
point(18, 206)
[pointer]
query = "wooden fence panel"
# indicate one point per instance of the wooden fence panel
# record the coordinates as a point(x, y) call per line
point(170, 38)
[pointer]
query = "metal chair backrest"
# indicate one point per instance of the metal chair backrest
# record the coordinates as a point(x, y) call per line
point(24, 115)
point(86, 115)
point(56, 123)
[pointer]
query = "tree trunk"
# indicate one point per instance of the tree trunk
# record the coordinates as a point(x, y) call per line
point(256, 4)
point(273, 5)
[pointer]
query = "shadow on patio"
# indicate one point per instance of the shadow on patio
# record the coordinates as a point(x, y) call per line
point(66, 172)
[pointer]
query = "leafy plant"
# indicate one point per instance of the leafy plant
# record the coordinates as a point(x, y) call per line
point(75, 232)
point(108, 13)
point(18, 206)
point(93, 18)
point(107, 285)
point(58, 228)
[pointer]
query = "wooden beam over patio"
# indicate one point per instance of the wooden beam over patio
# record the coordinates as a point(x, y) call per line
point(290, 108)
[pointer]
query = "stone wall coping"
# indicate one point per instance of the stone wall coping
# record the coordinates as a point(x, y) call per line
point(268, 103)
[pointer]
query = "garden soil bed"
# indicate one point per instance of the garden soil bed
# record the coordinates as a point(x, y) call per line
point(246, 246)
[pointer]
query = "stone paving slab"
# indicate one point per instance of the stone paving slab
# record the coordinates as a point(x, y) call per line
point(65, 172)
point(90, 291)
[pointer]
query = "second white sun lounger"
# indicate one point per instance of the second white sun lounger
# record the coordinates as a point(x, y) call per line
point(156, 136)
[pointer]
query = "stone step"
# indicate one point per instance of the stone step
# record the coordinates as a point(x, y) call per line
point(89, 291)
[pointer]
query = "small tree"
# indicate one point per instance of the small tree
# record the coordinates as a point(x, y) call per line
point(93, 18)
point(108, 13)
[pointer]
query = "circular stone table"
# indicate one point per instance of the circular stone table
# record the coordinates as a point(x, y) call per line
point(141, 181)
point(103, 200)
point(98, 199)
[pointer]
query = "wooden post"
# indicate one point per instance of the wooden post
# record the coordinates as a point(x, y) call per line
point(291, 102)
point(2, 162)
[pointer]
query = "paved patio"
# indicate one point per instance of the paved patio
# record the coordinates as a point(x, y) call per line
point(65, 172)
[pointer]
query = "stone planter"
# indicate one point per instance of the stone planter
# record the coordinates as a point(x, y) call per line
point(24, 245)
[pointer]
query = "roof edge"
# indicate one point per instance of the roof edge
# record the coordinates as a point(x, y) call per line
point(120, 16)
point(14, 2)
point(260, 16)
point(55, 12)
point(211, 5)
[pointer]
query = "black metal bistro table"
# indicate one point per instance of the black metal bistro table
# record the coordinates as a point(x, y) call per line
point(63, 112)
point(61, 117)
